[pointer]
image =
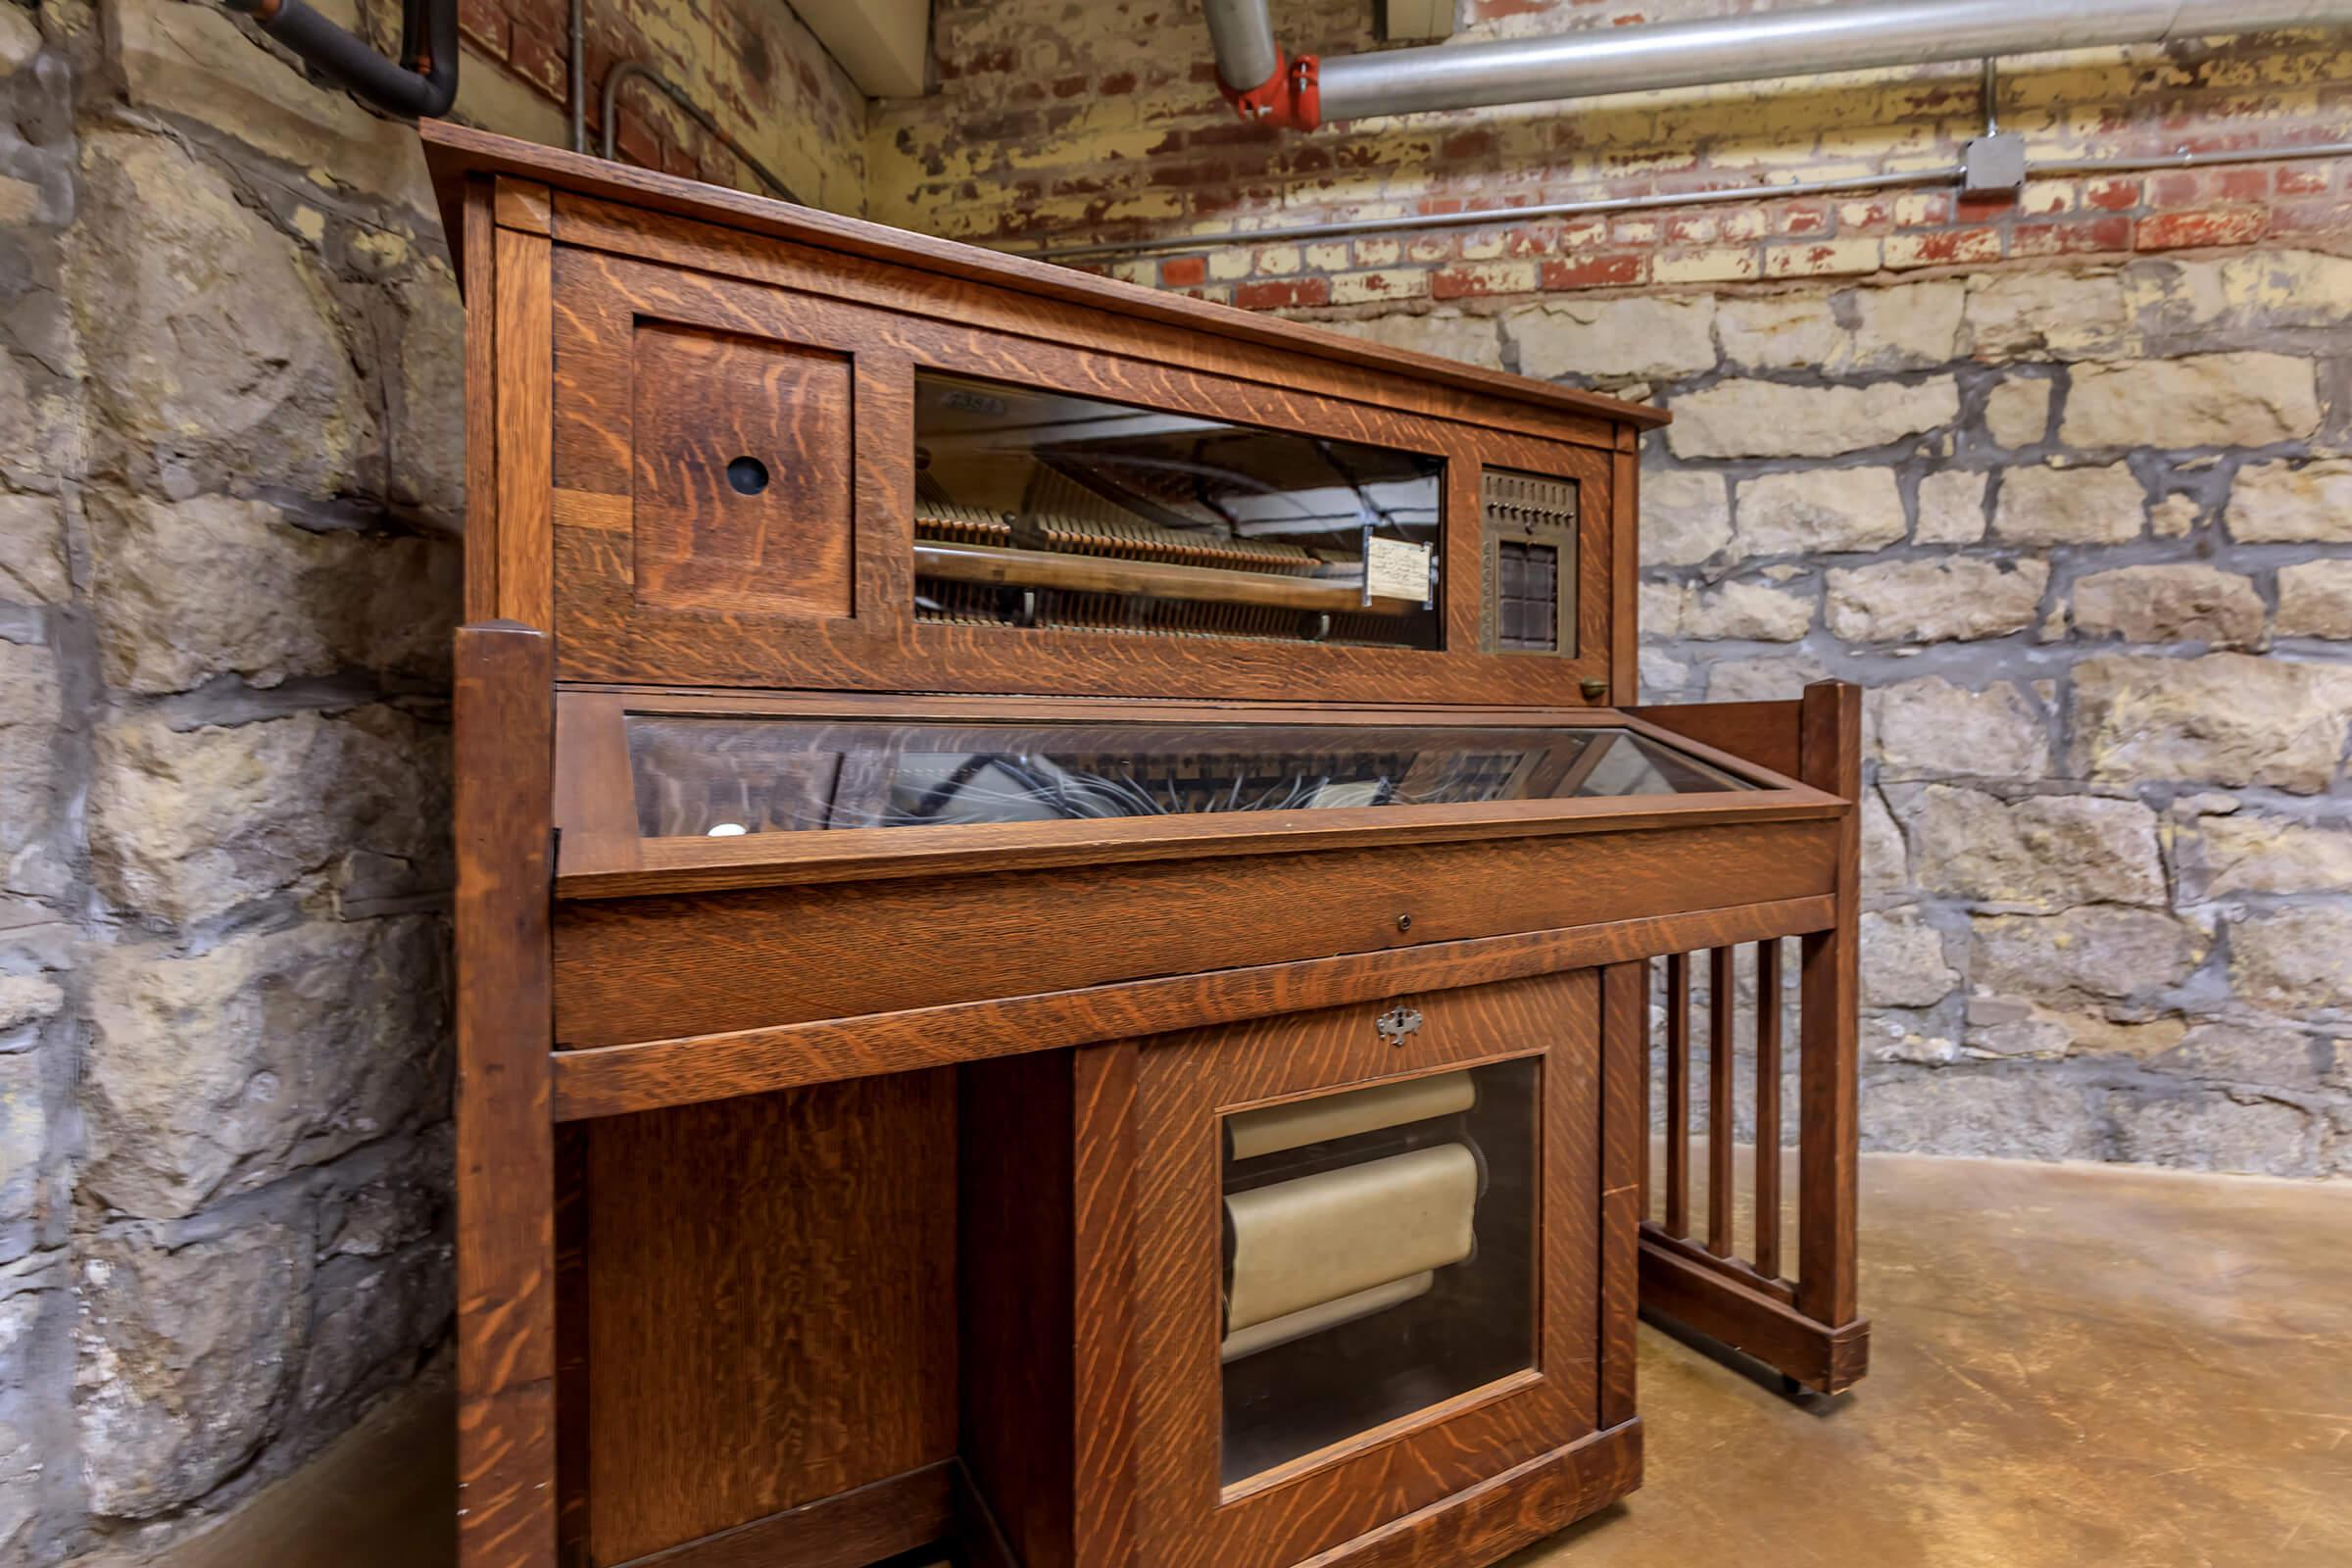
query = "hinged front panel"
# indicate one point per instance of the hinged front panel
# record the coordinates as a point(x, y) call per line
point(1367, 1267)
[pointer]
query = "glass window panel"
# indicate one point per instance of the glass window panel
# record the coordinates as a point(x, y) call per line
point(1379, 1257)
point(1035, 508)
point(726, 776)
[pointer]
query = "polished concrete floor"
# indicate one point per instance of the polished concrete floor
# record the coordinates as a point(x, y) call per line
point(2072, 1367)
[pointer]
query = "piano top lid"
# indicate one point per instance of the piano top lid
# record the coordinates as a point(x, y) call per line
point(679, 791)
point(457, 152)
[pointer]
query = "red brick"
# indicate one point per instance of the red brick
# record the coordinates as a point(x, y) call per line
point(2302, 180)
point(1596, 272)
point(1982, 243)
point(2114, 195)
point(2076, 237)
point(537, 58)
point(483, 22)
point(1804, 217)
point(2170, 231)
point(2311, 217)
point(1462, 146)
point(1481, 278)
point(2181, 189)
point(2244, 184)
point(1184, 272)
point(1290, 293)
point(636, 142)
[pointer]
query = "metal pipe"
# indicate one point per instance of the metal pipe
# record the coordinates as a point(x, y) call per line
point(1598, 60)
point(2063, 168)
point(1242, 36)
point(579, 77)
point(620, 76)
point(1594, 62)
point(1502, 214)
point(1476, 217)
point(421, 84)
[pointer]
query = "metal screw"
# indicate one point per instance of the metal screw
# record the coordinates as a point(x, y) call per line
point(1404, 922)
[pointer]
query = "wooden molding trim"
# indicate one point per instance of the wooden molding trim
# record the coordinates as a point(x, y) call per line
point(1498, 1517)
point(1721, 1306)
point(847, 1530)
point(613, 1080)
point(456, 151)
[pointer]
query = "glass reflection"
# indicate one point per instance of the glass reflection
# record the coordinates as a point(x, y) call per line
point(723, 777)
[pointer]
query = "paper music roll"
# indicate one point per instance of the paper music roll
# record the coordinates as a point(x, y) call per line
point(1299, 1122)
point(1305, 1243)
point(1330, 1315)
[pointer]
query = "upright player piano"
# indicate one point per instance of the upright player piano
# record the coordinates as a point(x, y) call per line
point(1067, 917)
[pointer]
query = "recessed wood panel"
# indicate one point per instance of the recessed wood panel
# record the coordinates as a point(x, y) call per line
point(653, 967)
point(743, 461)
point(1299, 1509)
point(770, 1305)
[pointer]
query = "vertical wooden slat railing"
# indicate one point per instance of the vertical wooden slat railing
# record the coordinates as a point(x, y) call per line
point(1719, 1103)
point(1808, 1327)
point(1678, 1094)
point(1766, 1255)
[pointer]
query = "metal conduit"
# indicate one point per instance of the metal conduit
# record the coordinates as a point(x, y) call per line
point(1476, 217)
point(1600, 61)
point(636, 69)
point(1242, 36)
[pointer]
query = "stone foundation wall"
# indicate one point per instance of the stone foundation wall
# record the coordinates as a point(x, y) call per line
point(2086, 535)
point(230, 497)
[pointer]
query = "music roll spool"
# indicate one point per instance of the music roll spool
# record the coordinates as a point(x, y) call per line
point(1296, 1123)
point(1318, 1239)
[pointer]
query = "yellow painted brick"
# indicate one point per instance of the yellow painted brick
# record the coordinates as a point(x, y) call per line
point(1718, 263)
point(1482, 245)
point(1279, 260)
point(1227, 265)
point(1363, 288)
point(2045, 196)
point(1932, 249)
point(1745, 223)
point(1835, 257)
point(1917, 209)
point(1328, 256)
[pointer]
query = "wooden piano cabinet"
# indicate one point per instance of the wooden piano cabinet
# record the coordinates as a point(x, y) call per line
point(1093, 1417)
point(1063, 918)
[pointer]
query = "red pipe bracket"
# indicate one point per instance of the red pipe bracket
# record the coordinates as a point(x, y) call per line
point(1291, 98)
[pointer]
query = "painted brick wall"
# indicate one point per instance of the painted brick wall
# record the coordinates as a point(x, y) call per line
point(1058, 124)
point(750, 62)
